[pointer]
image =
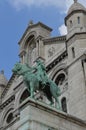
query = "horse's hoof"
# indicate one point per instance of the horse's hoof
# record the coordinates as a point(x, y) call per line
point(51, 104)
point(31, 97)
point(59, 108)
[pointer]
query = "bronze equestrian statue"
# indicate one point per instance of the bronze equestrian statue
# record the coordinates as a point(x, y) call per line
point(36, 78)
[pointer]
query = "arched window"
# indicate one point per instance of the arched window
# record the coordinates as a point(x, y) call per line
point(78, 19)
point(25, 95)
point(9, 118)
point(28, 41)
point(64, 104)
point(31, 50)
point(60, 79)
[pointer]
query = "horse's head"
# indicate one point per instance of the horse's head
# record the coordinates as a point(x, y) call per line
point(17, 68)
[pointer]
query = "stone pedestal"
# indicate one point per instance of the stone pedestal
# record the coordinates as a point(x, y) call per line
point(35, 115)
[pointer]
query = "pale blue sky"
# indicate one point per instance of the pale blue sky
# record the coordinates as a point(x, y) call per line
point(14, 18)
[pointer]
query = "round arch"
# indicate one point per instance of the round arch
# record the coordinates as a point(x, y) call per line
point(18, 97)
point(29, 37)
point(60, 77)
point(61, 68)
point(5, 114)
point(24, 96)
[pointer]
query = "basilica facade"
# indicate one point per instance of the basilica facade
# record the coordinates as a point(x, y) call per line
point(65, 61)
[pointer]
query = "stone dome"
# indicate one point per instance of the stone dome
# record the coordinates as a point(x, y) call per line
point(76, 7)
point(3, 80)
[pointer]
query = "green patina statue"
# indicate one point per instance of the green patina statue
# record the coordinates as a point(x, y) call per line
point(36, 78)
point(41, 72)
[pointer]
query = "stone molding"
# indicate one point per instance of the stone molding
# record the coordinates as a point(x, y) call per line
point(58, 69)
point(8, 101)
point(56, 61)
point(54, 39)
point(8, 86)
point(75, 37)
point(52, 110)
point(5, 113)
point(34, 105)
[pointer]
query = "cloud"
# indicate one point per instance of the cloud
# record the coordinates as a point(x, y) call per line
point(70, 2)
point(63, 30)
point(63, 5)
point(19, 4)
point(83, 2)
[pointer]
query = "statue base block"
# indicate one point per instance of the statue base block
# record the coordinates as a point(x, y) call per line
point(35, 115)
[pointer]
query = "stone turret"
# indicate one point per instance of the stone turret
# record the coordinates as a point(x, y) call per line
point(76, 7)
point(76, 27)
point(76, 47)
point(75, 19)
point(3, 82)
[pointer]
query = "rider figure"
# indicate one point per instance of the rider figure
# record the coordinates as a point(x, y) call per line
point(41, 72)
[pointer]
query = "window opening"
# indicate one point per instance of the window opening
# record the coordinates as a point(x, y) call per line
point(64, 104)
point(9, 118)
point(78, 18)
point(60, 79)
point(73, 52)
point(71, 23)
point(24, 95)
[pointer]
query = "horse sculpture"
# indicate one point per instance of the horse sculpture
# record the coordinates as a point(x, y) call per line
point(33, 83)
point(29, 78)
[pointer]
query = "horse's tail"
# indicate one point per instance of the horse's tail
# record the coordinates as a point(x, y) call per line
point(58, 91)
point(55, 88)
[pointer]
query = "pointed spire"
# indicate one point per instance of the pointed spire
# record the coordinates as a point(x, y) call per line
point(2, 72)
point(75, 1)
point(3, 80)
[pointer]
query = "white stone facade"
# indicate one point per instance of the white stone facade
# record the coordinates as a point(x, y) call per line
point(65, 61)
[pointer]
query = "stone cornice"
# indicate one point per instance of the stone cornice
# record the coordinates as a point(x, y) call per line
point(54, 111)
point(3, 105)
point(56, 61)
point(54, 39)
point(8, 86)
point(75, 37)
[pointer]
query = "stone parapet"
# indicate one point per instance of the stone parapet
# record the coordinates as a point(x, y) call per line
point(35, 115)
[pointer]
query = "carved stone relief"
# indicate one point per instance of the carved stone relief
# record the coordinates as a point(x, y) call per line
point(51, 51)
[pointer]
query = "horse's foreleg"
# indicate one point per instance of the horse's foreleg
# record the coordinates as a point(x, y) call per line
point(31, 90)
point(51, 102)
